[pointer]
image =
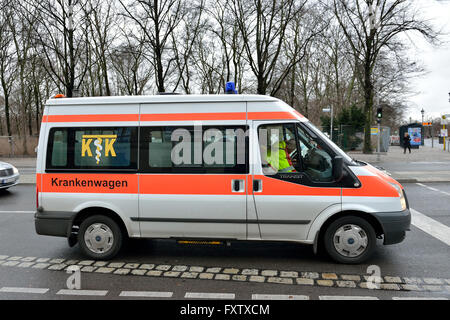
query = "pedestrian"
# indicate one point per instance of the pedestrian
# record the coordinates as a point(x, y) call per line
point(406, 143)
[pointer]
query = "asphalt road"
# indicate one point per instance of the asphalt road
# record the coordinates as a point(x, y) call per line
point(421, 256)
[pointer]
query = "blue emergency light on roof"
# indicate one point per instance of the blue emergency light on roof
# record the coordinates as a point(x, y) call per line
point(230, 88)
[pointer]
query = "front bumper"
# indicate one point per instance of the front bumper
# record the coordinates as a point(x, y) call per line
point(7, 182)
point(394, 224)
point(53, 223)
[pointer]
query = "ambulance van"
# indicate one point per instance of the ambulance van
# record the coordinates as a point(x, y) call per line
point(206, 168)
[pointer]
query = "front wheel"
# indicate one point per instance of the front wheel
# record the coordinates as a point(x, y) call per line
point(100, 237)
point(350, 240)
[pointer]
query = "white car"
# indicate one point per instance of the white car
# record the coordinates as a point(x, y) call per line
point(9, 175)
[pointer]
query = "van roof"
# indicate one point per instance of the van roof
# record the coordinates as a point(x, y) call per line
point(159, 99)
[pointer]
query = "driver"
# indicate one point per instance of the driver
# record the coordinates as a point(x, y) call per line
point(281, 160)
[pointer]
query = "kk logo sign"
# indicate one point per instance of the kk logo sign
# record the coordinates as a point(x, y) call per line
point(109, 140)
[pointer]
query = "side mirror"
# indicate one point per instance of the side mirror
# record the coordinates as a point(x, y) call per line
point(338, 168)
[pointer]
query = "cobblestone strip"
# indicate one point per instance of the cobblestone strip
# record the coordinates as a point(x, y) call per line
point(286, 277)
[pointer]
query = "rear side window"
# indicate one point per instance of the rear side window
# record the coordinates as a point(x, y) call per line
point(112, 148)
point(194, 150)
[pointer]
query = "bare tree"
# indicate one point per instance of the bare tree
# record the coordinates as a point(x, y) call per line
point(372, 27)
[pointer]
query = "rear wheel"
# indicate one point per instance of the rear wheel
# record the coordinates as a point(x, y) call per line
point(100, 237)
point(350, 240)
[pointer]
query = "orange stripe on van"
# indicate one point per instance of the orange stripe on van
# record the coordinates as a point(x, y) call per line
point(285, 115)
point(371, 186)
point(272, 186)
point(90, 183)
point(193, 116)
point(201, 184)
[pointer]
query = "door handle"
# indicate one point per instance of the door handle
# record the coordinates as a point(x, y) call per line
point(257, 185)
point(237, 185)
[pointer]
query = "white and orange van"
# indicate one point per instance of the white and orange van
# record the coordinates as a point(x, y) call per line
point(201, 168)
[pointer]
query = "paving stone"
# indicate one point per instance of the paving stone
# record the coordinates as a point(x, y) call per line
point(10, 263)
point(222, 277)
point(447, 280)
point(57, 267)
point(269, 273)
point(392, 279)
point(105, 270)
point(154, 273)
point(57, 261)
point(310, 275)
point(346, 284)
point(289, 274)
point(257, 279)
point(196, 269)
point(122, 271)
point(250, 272)
point(206, 275)
point(239, 277)
point(412, 280)
point(88, 269)
point(25, 264)
point(389, 286)
point(14, 258)
point(432, 288)
point(189, 275)
point(373, 286)
point(411, 287)
point(213, 270)
point(305, 281)
point(3, 257)
point(172, 274)
point(329, 276)
point(374, 279)
point(116, 264)
point(180, 268)
point(325, 283)
point(146, 266)
point(2, 261)
point(86, 262)
point(71, 262)
point(41, 265)
point(350, 277)
point(280, 280)
point(43, 260)
point(163, 267)
point(28, 259)
point(100, 263)
point(433, 281)
point(131, 265)
point(138, 272)
point(230, 271)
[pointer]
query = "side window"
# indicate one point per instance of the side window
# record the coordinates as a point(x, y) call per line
point(92, 149)
point(57, 144)
point(111, 148)
point(193, 150)
point(315, 159)
point(288, 148)
point(278, 148)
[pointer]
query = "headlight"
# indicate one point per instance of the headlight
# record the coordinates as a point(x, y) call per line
point(401, 195)
point(15, 171)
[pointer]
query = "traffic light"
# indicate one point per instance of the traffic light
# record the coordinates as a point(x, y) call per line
point(379, 113)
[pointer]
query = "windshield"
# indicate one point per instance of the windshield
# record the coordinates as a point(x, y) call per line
point(329, 142)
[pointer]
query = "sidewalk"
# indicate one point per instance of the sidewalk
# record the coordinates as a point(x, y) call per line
point(425, 164)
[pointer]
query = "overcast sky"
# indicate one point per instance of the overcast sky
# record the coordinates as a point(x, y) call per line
point(433, 88)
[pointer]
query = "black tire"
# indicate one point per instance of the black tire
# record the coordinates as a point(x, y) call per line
point(113, 242)
point(367, 230)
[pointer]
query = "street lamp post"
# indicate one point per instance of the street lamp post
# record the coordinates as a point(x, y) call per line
point(422, 130)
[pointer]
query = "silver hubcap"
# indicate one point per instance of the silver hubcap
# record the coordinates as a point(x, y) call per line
point(98, 238)
point(350, 240)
